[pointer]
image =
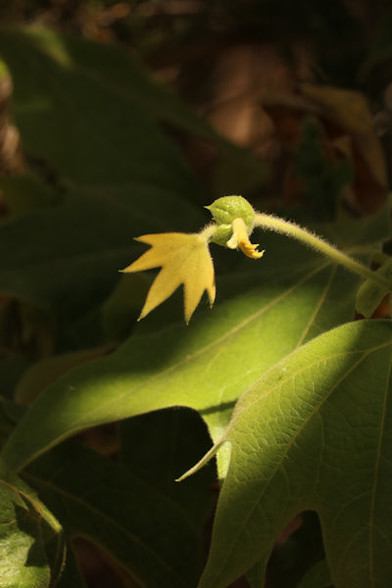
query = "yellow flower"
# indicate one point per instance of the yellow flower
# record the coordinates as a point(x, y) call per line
point(240, 239)
point(235, 220)
point(184, 259)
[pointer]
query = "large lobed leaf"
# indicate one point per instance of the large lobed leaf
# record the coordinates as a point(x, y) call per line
point(206, 366)
point(314, 432)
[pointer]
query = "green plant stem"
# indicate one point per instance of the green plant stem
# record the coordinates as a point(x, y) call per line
point(208, 232)
point(290, 229)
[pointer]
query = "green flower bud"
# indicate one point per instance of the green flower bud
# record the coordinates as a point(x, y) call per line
point(224, 211)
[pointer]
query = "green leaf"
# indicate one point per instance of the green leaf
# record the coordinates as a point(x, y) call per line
point(23, 194)
point(171, 438)
point(11, 370)
point(48, 370)
point(10, 413)
point(108, 64)
point(313, 433)
point(148, 533)
point(122, 308)
point(117, 104)
point(31, 542)
point(262, 318)
point(323, 178)
point(86, 122)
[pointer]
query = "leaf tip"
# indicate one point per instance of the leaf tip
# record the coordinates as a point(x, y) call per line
point(202, 462)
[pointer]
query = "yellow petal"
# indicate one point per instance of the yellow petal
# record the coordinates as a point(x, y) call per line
point(163, 245)
point(203, 278)
point(240, 238)
point(161, 289)
point(185, 259)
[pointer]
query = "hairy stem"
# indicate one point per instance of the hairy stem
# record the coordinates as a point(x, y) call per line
point(290, 229)
point(208, 232)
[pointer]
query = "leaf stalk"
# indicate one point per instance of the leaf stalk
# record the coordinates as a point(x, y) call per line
point(290, 229)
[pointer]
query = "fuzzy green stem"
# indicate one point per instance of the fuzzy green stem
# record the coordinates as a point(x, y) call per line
point(208, 232)
point(279, 225)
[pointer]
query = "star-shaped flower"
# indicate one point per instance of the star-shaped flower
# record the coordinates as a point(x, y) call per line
point(184, 259)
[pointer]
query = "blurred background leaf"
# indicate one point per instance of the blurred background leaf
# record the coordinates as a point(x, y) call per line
point(149, 532)
point(32, 548)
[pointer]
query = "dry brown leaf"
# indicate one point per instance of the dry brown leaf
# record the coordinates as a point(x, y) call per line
point(346, 130)
point(349, 112)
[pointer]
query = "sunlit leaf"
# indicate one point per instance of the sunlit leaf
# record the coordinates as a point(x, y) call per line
point(314, 433)
point(261, 318)
point(44, 372)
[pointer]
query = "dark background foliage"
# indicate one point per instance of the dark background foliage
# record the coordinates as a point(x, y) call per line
point(121, 118)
